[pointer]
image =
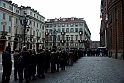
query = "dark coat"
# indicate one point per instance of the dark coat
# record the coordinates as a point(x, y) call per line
point(41, 58)
point(26, 56)
point(15, 56)
point(53, 57)
point(6, 62)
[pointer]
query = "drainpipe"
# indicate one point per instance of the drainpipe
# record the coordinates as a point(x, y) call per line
point(123, 25)
point(116, 33)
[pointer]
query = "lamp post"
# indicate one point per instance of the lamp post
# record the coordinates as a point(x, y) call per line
point(54, 33)
point(67, 38)
point(43, 39)
point(37, 44)
point(24, 20)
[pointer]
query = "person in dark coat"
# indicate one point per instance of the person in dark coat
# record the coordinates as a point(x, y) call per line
point(47, 60)
point(32, 65)
point(16, 68)
point(58, 60)
point(7, 65)
point(24, 67)
point(40, 64)
point(63, 60)
point(53, 60)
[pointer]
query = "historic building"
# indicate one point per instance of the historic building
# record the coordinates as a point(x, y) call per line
point(111, 31)
point(67, 33)
point(94, 44)
point(19, 26)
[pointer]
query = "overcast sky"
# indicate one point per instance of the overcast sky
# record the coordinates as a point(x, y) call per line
point(87, 9)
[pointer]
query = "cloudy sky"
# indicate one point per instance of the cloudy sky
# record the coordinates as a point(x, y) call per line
point(87, 9)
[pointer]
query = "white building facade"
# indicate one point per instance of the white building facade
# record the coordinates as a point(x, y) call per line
point(67, 33)
point(12, 31)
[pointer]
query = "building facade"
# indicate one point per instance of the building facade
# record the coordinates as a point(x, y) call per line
point(12, 30)
point(112, 27)
point(67, 33)
point(94, 44)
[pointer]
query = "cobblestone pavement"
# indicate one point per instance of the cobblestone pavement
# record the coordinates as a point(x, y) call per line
point(87, 70)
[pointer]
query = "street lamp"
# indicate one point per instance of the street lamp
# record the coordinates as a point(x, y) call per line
point(24, 21)
point(54, 33)
point(67, 38)
point(37, 44)
point(43, 39)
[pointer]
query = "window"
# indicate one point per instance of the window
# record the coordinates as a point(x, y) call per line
point(76, 24)
point(63, 25)
point(76, 44)
point(4, 16)
point(63, 29)
point(31, 13)
point(50, 25)
point(59, 30)
point(67, 29)
point(10, 7)
point(10, 18)
point(110, 18)
point(76, 29)
point(80, 24)
point(33, 32)
point(72, 24)
point(9, 29)
point(71, 37)
point(47, 26)
point(71, 30)
point(59, 25)
point(58, 38)
point(24, 12)
point(76, 37)
point(42, 27)
point(34, 23)
point(81, 29)
point(58, 44)
point(4, 5)
point(37, 25)
point(17, 11)
point(63, 37)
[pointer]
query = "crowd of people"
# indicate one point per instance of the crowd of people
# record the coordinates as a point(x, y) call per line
point(28, 65)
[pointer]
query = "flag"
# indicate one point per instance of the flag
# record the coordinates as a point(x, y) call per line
point(100, 15)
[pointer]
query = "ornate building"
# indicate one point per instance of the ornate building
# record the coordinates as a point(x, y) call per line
point(67, 33)
point(13, 33)
point(112, 27)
